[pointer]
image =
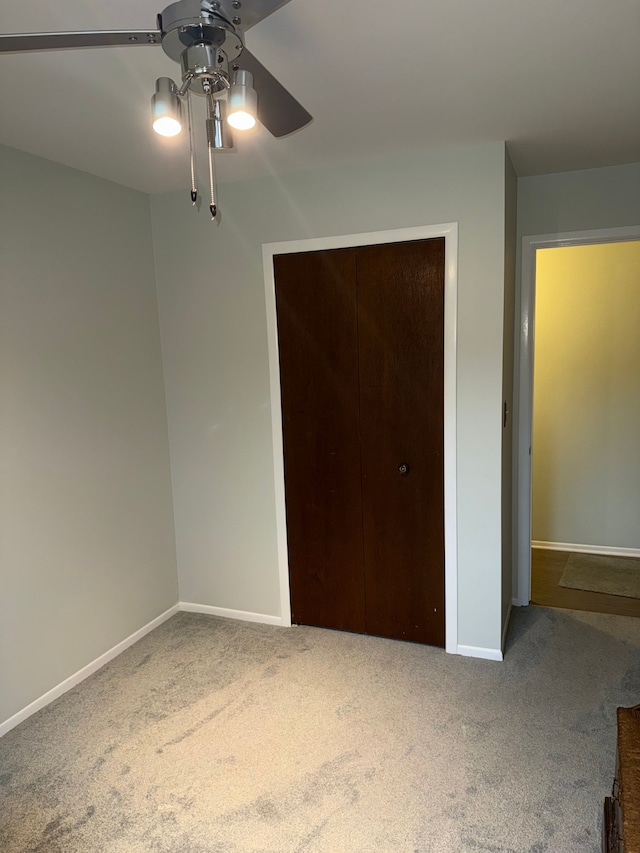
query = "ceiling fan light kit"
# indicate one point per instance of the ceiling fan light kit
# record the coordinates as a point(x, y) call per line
point(206, 38)
point(166, 111)
point(243, 101)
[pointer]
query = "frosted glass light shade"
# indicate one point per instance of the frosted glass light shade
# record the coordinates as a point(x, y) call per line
point(241, 120)
point(167, 126)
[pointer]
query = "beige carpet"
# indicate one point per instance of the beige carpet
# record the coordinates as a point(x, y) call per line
point(215, 736)
point(599, 573)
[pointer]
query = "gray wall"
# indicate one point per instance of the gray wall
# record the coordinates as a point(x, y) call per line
point(579, 201)
point(212, 314)
point(87, 549)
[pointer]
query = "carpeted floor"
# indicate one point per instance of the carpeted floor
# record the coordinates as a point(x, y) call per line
point(214, 736)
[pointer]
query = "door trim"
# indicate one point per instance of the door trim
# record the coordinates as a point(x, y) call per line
point(524, 391)
point(450, 232)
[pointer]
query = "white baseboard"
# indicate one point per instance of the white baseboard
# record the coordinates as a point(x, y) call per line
point(605, 550)
point(243, 615)
point(479, 652)
point(506, 628)
point(85, 672)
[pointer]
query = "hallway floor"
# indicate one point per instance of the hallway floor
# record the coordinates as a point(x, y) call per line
point(546, 570)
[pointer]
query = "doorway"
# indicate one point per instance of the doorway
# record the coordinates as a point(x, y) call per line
point(450, 232)
point(575, 493)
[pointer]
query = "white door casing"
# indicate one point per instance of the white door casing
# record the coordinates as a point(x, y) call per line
point(524, 390)
point(450, 232)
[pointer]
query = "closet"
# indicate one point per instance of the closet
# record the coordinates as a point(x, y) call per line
point(360, 338)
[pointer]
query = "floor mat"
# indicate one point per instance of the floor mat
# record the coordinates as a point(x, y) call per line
point(600, 573)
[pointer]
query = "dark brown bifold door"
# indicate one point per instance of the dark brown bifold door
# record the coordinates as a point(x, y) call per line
point(361, 365)
point(318, 344)
point(401, 357)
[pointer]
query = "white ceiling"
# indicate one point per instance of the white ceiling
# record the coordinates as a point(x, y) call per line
point(560, 81)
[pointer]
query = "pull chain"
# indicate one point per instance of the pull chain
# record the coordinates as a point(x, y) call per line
point(213, 207)
point(192, 153)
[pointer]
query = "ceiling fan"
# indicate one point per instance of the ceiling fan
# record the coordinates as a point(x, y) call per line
point(206, 37)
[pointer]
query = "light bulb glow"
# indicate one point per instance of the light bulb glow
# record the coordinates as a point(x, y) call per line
point(241, 120)
point(167, 126)
point(166, 112)
point(242, 101)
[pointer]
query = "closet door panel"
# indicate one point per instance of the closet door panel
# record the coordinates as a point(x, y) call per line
point(318, 347)
point(401, 364)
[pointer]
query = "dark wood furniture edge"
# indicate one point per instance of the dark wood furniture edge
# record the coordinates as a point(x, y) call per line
point(621, 819)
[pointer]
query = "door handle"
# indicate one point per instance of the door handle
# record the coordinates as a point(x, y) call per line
point(403, 469)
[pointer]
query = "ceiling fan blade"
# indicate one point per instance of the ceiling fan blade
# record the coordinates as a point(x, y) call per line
point(278, 110)
point(250, 12)
point(19, 42)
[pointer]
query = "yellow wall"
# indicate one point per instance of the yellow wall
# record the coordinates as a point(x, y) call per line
point(586, 422)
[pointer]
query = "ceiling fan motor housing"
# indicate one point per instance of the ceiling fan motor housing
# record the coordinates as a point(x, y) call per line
point(199, 23)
